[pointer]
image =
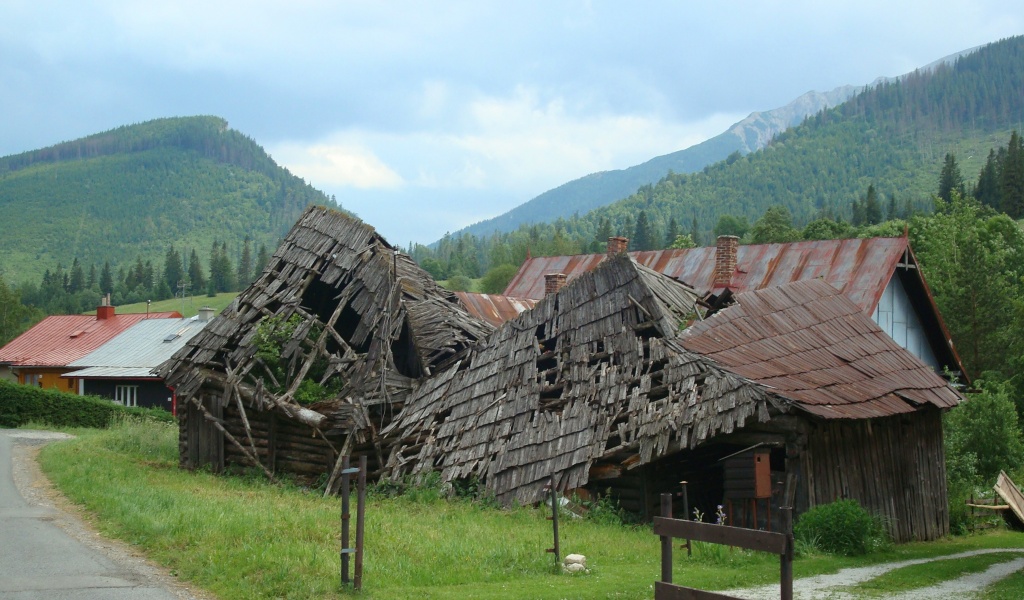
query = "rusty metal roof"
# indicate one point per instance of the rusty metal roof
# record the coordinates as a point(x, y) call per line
point(58, 340)
point(809, 342)
point(859, 268)
point(493, 308)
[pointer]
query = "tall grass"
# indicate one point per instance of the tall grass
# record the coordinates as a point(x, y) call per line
point(242, 537)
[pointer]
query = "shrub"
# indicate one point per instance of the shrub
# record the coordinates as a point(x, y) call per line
point(841, 527)
point(20, 404)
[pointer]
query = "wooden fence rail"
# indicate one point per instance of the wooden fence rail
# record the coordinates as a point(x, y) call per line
point(764, 541)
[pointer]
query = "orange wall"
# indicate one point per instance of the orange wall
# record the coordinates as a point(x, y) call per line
point(49, 379)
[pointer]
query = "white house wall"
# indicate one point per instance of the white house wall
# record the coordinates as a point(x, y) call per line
point(896, 316)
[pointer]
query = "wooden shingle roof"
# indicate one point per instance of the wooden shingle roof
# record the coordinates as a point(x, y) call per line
point(809, 342)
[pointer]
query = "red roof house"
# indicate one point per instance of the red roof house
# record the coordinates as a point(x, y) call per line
point(42, 354)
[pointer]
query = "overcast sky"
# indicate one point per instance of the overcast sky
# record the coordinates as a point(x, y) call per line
point(425, 117)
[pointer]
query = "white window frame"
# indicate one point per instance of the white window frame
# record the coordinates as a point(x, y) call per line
point(126, 395)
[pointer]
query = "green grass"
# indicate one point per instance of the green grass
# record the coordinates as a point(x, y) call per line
point(241, 537)
point(932, 573)
point(190, 307)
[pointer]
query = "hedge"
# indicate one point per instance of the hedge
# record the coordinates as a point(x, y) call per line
point(21, 404)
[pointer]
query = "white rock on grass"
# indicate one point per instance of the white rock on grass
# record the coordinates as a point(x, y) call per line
point(574, 568)
point(575, 559)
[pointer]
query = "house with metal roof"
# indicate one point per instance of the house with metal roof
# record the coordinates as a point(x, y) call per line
point(122, 368)
point(879, 275)
point(43, 353)
point(615, 382)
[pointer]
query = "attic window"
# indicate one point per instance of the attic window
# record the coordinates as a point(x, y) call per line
point(77, 333)
point(171, 337)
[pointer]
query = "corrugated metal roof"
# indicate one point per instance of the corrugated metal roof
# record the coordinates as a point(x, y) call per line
point(59, 340)
point(113, 373)
point(860, 268)
point(142, 345)
point(808, 342)
point(493, 308)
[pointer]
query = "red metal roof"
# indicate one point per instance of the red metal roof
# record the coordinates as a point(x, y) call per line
point(493, 308)
point(58, 340)
point(810, 343)
point(860, 268)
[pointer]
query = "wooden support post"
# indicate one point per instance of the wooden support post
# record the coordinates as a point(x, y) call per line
point(786, 560)
point(360, 522)
point(666, 541)
point(344, 519)
point(554, 519)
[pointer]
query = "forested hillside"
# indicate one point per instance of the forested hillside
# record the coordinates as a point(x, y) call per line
point(891, 138)
point(133, 192)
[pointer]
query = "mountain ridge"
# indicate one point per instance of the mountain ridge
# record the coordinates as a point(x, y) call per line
point(750, 134)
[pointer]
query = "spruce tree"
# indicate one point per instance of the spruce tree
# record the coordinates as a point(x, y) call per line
point(1011, 178)
point(644, 235)
point(672, 233)
point(106, 279)
point(950, 179)
point(245, 265)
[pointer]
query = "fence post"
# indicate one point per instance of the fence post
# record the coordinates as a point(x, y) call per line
point(554, 518)
point(666, 541)
point(686, 517)
point(360, 519)
point(787, 557)
point(344, 519)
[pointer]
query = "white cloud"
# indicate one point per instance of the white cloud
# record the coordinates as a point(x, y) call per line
point(337, 165)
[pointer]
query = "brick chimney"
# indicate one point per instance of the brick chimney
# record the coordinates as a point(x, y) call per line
point(553, 282)
point(725, 259)
point(617, 245)
point(104, 310)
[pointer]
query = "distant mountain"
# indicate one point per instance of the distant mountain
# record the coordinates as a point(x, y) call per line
point(593, 191)
point(136, 190)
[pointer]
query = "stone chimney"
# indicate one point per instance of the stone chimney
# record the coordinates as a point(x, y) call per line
point(205, 313)
point(553, 282)
point(617, 245)
point(725, 259)
point(104, 311)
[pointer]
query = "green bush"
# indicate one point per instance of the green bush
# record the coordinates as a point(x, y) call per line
point(841, 527)
point(20, 404)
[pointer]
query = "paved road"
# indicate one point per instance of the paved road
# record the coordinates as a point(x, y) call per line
point(38, 559)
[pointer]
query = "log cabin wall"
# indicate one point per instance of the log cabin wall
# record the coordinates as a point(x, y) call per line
point(894, 467)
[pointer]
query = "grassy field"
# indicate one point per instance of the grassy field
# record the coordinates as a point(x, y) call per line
point(241, 537)
point(188, 308)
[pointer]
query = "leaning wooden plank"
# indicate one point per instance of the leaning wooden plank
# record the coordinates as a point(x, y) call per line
point(1009, 492)
point(668, 591)
point(763, 541)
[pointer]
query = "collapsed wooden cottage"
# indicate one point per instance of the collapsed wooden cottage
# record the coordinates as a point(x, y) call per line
point(338, 319)
point(602, 385)
point(598, 387)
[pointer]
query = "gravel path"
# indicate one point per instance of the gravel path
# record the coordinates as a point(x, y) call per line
point(831, 587)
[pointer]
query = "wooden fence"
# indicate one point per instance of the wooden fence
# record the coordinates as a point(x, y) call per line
point(763, 541)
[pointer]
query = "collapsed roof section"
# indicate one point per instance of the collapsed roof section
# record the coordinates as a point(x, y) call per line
point(335, 305)
point(592, 376)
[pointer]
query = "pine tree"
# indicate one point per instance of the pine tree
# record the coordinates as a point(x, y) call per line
point(672, 233)
point(644, 235)
point(950, 179)
point(987, 190)
point(106, 279)
point(872, 208)
point(195, 272)
point(694, 233)
point(262, 258)
point(76, 281)
point(1011, 178)
point(91, 281)
point(245, 265)
point(174, 271)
